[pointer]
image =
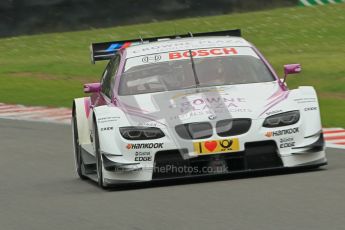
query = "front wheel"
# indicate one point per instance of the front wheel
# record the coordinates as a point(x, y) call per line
point(99, 162)
point(77, 149)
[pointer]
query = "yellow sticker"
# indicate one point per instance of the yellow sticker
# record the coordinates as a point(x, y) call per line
point(217, 146)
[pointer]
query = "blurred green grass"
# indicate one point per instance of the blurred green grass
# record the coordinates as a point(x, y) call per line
point(50, 69)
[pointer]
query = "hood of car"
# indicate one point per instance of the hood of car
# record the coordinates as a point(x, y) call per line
point(253, 101)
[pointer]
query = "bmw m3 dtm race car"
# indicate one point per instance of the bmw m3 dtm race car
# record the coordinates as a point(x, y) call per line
point(191, 105)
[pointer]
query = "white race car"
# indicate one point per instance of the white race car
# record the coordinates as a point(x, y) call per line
point(192, 105)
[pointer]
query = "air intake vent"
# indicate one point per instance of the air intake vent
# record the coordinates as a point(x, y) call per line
point(192, 131)
point(233, 127)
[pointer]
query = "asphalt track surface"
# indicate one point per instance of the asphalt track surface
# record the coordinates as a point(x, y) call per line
point(40, 190)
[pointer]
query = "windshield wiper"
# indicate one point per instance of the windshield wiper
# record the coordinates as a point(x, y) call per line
point(197, 82)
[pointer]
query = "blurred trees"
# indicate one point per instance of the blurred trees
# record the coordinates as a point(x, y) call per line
point(37, 16)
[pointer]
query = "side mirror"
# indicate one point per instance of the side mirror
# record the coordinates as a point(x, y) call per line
point(291, 69)
point(92, 87)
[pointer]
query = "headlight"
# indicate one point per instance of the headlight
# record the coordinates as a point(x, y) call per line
point(282, 119)
point(141, 133)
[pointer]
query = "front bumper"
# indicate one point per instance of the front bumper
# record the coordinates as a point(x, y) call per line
point(261, 155)
point(258, 156)
point(207, 177)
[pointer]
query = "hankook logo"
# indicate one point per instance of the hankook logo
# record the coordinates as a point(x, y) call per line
point(269, 134)
point(145, 146)
point(281, 132)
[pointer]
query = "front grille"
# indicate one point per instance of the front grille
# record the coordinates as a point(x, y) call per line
point(233, 127)
point(199, 130)
point(203, 130)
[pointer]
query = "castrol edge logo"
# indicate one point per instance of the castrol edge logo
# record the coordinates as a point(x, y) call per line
point(203, 53)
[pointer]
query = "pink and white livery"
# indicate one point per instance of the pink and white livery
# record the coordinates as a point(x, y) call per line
point(192, 105)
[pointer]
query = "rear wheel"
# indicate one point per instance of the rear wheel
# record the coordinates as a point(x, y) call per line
point(99, 162)
point(77, 148)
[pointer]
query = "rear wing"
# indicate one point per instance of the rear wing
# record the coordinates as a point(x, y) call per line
point(106, 50)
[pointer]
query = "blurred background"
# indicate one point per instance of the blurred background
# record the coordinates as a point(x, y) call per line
point(38, 16)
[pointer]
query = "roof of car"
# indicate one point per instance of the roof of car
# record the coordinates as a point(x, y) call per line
point(185, 44)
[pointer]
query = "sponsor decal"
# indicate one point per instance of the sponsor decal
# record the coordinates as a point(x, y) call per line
point(281, 132)
point(205, 111)
point(216, 146)
point(149, 123)
point(178, 45)
point(107, 119)
point(151, 58)
point(106, 128)
point(145, 146)
point(210, 145)
point(201, 90)
point(117, 46)
point(269, 134)
point(143, 156)
point(213, 103)
point(305, 100)
point(310, 109)
point(287, 142)
point(203, 53)
point(287, 145)
point(226, 144)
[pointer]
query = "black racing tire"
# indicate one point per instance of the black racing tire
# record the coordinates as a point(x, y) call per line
point(99, 161)
point(77, 148)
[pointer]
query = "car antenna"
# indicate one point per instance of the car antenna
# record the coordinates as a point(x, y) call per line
point(197, 82)
point(175, 30)
point(141, 39)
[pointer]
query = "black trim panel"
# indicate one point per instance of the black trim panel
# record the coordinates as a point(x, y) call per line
point(317, 146)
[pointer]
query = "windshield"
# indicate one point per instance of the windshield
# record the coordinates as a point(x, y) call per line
point(174, 70)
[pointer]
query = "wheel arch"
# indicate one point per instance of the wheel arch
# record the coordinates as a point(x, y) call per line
point(81, 111)
point(108, 119)
point(308, 104)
